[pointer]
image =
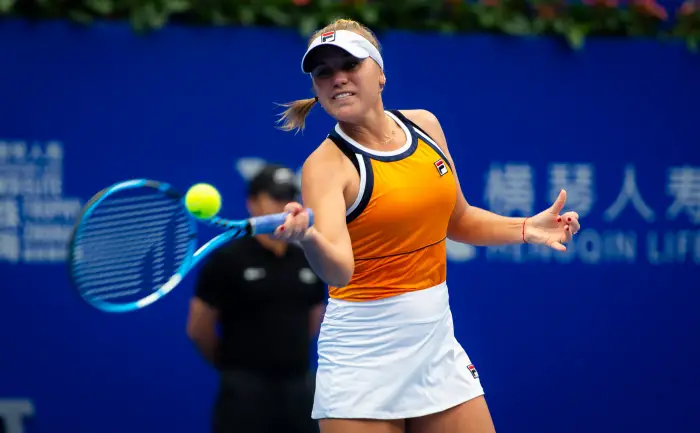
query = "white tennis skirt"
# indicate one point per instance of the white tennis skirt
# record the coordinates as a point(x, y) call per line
point(393, 358)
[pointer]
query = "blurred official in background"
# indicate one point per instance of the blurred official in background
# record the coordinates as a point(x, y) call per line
point(268, 303)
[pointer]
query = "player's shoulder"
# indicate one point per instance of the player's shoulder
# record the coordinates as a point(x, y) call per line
point(428, 123)
point(324, 162)
point(326, 152)
point(421, 117)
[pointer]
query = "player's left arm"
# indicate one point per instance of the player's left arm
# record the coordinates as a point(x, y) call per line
point(469, 224)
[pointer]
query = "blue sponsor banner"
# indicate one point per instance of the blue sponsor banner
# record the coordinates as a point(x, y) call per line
point(600, 338)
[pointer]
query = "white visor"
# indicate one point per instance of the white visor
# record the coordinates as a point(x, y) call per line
point(354, 44)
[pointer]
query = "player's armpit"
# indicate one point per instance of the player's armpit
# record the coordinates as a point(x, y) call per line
point(328, 248)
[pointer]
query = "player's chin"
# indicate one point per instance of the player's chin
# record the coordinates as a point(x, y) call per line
point(347, 113)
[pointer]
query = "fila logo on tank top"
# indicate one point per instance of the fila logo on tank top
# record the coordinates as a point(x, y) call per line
point(398, 222)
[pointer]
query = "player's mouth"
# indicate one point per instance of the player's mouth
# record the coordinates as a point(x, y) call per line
point(343, 95)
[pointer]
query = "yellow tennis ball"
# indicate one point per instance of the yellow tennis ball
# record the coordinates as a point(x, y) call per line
point(203, 201)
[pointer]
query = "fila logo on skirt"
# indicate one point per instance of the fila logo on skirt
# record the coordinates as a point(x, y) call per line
point(473, 371)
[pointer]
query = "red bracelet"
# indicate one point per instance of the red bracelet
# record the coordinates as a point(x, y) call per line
point(524, 221)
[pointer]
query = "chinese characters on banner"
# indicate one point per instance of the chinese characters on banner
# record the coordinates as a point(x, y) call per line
point(35, 219)
point(510, 191)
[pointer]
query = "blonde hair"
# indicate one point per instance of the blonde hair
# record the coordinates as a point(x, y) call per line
point(294, 117)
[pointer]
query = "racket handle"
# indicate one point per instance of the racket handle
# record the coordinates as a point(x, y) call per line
point(267, 224)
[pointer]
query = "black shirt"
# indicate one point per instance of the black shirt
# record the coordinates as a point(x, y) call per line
point(264, 301)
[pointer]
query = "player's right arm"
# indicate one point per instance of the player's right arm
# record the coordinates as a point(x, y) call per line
point(326, 244)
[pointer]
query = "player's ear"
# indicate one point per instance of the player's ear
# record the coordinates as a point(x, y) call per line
point(382, 82)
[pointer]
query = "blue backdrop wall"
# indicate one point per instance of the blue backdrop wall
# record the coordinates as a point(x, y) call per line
point(602, 338)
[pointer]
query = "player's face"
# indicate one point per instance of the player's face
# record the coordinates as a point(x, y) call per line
point(346, 87)
point(264, 204)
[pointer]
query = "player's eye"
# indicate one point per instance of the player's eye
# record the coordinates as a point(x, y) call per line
point(322, 72)
point(350, 65)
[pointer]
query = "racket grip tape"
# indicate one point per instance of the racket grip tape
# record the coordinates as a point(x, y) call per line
point(267, 224)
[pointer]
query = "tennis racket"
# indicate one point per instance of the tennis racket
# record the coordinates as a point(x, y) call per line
point(135, 241)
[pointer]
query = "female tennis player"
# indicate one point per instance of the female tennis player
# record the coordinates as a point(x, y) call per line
point(386, 196)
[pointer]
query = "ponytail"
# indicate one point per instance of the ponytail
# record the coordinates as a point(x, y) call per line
point(294, 117)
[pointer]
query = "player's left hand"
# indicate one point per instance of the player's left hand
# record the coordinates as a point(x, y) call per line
point(551, 228)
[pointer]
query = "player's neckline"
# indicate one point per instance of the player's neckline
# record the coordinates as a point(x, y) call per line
point(379, 154)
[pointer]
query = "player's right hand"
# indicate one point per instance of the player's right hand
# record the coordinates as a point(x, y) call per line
point(296, 226)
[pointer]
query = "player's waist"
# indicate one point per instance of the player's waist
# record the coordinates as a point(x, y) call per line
point(379, 250)
point(374, 280)
point(418, 306)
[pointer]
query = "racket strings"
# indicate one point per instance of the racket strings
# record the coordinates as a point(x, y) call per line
point(131, 244)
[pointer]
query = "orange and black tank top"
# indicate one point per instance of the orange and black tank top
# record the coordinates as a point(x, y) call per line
point(398, 222)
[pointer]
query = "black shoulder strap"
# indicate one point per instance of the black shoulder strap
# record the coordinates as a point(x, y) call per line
point(407, 121)
point(433, 145)
point(347, 151)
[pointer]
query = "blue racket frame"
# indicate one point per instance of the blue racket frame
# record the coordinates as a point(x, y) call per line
point(265, 224)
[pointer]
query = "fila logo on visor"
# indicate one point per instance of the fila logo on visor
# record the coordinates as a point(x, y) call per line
point(441, 167)
point(328, 37)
